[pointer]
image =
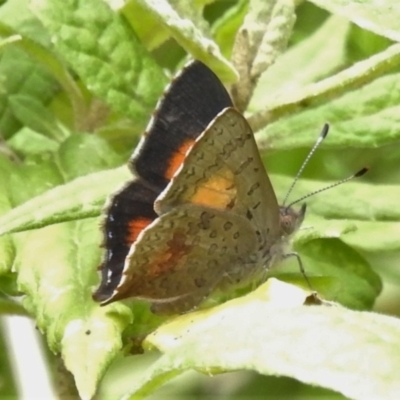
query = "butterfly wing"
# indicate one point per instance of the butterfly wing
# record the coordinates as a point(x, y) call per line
point(217, 215)
point(224, 170)
point(190, 103)
point(180, 117)
point(128, 213)
point(216, 208)
point(183, 255)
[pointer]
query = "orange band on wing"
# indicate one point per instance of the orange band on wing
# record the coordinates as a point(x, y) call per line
point(167, 262)
point(177, 159)
point(218, 191)
point(135, 227)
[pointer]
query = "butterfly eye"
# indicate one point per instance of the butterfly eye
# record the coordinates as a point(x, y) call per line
point(287, 222)
point(291, 219)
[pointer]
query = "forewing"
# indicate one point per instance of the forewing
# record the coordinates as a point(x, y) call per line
point(190, 102)
point(224, 170)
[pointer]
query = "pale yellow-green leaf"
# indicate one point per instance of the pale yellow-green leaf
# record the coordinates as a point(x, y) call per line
point(379, 16)
point(190, 38)
point(273, 332)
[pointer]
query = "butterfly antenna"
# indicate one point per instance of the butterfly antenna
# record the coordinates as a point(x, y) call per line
point(322, 136)
point(361, 172)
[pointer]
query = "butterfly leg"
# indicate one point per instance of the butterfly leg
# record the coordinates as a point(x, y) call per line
point(303, 272)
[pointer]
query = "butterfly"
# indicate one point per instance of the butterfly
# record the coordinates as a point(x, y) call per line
point(201, 214)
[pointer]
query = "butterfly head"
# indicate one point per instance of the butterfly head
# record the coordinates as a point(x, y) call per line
point(290, 219)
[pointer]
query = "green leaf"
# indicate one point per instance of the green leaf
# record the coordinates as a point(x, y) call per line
point(34, 115)
point(366, 118)
point(225, 28)
point(18, 16)
point(20, 75)
point(278, 335)
point(274, 37)
point(192, 39)
point(91, 343)
point(259, 41)
point(73, 165)
point(81, 198)
point(11, 307)
point(375, 237)
point(48, 60)
point(310, 60)
point(354, 200)
point(364, 44)
point(108, 57)
point(8, 283)
point(56, 265)
point(7, 251)
point(379, 16)
point(32, 179)
point(147, 27)
point(357, 75)
point(59, 296)
point(30, 143)
point(337, 272)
